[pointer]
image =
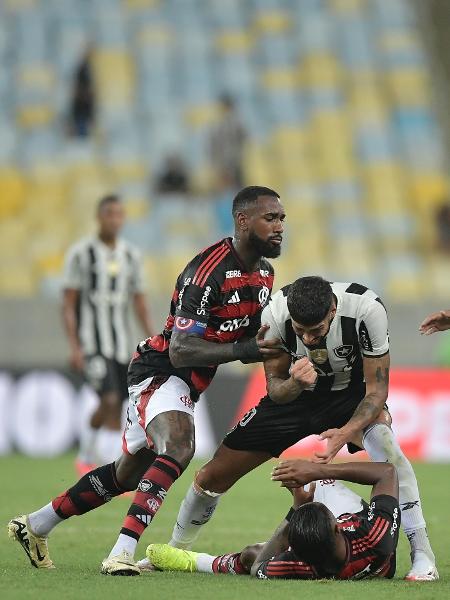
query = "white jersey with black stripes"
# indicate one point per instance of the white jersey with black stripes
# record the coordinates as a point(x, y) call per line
point(359, 328)
point(106, 279)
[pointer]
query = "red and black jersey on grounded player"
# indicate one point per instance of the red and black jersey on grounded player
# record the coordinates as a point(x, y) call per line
point(214, 298)
point(371, 537)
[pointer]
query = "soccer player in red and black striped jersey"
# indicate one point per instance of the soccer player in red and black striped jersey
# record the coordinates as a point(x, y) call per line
point(313, 541)
point(215, 317)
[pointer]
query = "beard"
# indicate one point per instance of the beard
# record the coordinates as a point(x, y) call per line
point(263, 247)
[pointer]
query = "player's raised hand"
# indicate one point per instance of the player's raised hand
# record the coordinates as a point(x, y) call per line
point(336, 439)
point(268, 348)
point(303, 372)
point(438, 321)
point(294, 473)
point(302, 496)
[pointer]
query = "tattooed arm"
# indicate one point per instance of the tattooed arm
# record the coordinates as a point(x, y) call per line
point(376, 374)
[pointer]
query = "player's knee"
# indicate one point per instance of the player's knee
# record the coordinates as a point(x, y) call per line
point(211, 479)
point(249, 554)
point(180, 450)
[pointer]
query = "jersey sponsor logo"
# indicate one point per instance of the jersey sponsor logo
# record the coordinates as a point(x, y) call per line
point(183, 325)
point(319, 356)
point(263, 296)
point(204, 301)
point(409, 505)
point(232, 274)
point(370, 512)
point(234, 299)
point(186, 282)
point(394, 522)
point(144, 485)
point(185, 399)
point(343, 351)
point(234, 324)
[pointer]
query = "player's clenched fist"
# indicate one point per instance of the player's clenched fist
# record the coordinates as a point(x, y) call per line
point(303, 372)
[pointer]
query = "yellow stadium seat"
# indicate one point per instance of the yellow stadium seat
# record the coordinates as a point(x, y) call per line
point(437, 278)
point(115, 77)
point(202, 115)
point(407, 287)
point(272, 22)
point(428, 190)
point(136, 208)
point(408, 87)
point(37, 115)
point(140, 4)
point(50, 264)
point(40, 76)
point(280, 78)
point(234, 42)
point(320, 70)
point(155, 35)
point(17, 279)
point(399, 39)
point(126, 170)
point(348, 5)
point(12, 192)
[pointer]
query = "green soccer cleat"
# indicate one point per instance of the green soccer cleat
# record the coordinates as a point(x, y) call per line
point(168, 558)
point(35, 546)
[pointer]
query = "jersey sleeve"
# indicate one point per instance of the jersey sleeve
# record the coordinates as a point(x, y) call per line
point(276, 330)
point(285, 566)
point(137, 274)
point(72, 275)
point(383, 524)
point(195, 301)
point(373, 330)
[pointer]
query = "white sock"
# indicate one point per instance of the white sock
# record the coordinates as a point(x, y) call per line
point(109, 445)
point(43, 520)
point(88, 437)
point(124, 542)
point(381, 445)
point(337, 497)
point(195, 511)
point(205, 562)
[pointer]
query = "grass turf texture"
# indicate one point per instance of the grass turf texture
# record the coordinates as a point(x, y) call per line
point(247, 514)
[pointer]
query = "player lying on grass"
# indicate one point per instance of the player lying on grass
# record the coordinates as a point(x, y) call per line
point(340, 536)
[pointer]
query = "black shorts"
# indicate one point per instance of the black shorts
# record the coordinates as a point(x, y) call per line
point(106, 375)
point(273, 428)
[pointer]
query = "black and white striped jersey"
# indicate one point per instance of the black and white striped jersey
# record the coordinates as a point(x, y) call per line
point(106, 279)
point(360, 328)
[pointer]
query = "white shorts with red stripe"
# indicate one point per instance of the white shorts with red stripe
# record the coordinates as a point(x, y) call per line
point(151, 397)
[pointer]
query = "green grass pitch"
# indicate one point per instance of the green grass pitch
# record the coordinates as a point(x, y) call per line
point(247, 514)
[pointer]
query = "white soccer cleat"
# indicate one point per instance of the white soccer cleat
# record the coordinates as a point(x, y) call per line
point(146, 565)
point(123, 564)
point(422, 569)
point(35, 546)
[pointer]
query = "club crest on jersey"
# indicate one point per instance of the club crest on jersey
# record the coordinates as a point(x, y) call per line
point(343, 351)
point(263, 295)
point(319, 356)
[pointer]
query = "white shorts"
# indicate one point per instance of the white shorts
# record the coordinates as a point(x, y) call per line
point(151, 397)
point(337, 497)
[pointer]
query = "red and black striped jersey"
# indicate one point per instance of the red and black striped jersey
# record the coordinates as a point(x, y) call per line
point(371, 537)
point(214, 298)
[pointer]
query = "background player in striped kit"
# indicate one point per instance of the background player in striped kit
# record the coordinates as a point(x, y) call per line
point(330, 532)
point(102, 278)
point(217, 301)
point(332, 380)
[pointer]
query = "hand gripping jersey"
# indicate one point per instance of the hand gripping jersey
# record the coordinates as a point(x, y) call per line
point(360, 328)
point(214, 298)
point(371, 537)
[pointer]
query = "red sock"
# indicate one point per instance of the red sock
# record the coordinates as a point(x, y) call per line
point(150, 494)
point(229, 563)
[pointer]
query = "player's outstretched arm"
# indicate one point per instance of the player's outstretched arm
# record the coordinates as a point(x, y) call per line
point(188, 350)
point(438, 321)
point(376, 375)
point(381, 476)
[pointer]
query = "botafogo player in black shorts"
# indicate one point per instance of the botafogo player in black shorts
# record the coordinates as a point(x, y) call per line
point(332, 380)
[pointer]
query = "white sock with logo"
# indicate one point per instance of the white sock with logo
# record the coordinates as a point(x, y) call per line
point(195, 511)
point(124, 542)
point(42, 521)
point(381, 445)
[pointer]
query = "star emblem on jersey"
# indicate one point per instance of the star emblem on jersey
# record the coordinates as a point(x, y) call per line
point(343, 351)
point(234, 299)
point(319, 356)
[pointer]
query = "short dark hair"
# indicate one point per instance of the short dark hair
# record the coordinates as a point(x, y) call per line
point(249, 195)
point(309, 299)
point(108, 199)
point(312, 535)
